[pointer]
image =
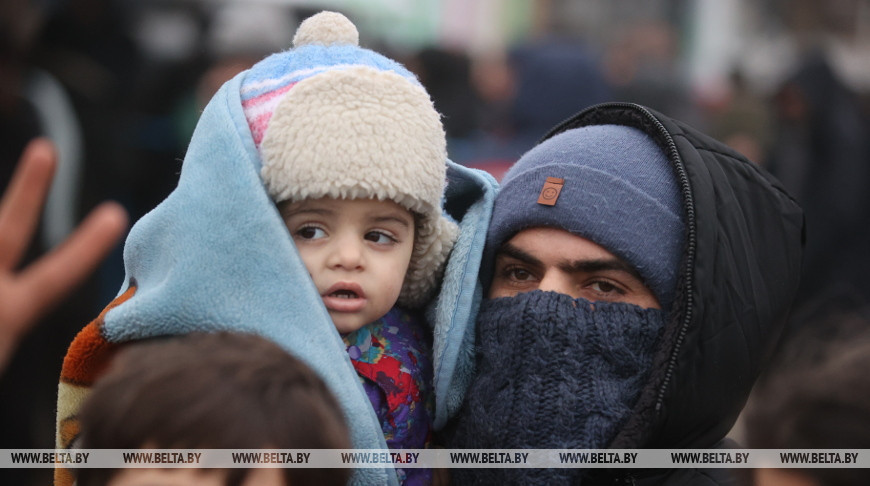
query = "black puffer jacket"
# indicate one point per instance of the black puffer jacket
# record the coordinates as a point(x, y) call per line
point(740, 272)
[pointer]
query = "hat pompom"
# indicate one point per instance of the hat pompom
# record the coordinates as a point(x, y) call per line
point(326, 28)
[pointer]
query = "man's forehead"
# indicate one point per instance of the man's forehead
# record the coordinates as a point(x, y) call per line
point(547, 246)
point(555, 242)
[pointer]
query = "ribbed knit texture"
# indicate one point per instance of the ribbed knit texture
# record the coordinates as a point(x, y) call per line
point(553, 373)
point(619, 191)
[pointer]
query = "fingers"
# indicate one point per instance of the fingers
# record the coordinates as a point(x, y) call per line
point(22, 202)
point(56, 274)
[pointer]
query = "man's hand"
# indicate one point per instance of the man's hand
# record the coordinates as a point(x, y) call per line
point(27, 294)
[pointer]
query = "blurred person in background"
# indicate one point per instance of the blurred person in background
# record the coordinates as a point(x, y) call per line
point(30, 291)
point(490, 145)
point(817, 396)
point(27, 294)
point(821, 153)
point(743, 120)
point(87, 45)
point(642, 65)
point(35, 101)
point(235, 37)
point(526, 91)
point(446, 74)
point(555, 76)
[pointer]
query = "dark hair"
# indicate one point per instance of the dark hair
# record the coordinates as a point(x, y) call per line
point(212, 391)
point(818, 396)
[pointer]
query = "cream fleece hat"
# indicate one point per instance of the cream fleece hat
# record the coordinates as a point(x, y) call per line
point(331, 119)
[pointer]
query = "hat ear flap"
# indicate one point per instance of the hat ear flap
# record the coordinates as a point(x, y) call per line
point(432, 245)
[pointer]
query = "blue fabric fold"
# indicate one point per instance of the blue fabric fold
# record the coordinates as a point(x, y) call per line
point(469, 198)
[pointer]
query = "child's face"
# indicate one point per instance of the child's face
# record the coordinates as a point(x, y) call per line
point(357, 252)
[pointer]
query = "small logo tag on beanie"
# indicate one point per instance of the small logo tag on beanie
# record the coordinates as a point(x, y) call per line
point(550, 191)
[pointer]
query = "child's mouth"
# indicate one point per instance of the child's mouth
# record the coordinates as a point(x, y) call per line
point(344, 297)
point(344, 294)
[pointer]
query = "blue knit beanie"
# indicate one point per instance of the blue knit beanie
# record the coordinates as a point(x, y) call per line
point(618, 190)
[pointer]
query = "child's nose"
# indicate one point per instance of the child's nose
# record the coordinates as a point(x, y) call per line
point(346, 254)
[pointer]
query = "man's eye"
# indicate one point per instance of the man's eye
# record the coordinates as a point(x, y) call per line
point(605, 287)
point(379, 237)
point(310, 233)
point(518, 274)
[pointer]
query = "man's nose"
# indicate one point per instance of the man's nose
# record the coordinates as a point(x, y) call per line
point(557, 281)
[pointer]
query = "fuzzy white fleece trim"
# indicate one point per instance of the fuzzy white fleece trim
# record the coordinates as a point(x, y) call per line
point(355, 132)
point(326, 28)
point(427, 263)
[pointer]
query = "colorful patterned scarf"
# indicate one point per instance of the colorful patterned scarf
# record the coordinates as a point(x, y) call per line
point(393, 359)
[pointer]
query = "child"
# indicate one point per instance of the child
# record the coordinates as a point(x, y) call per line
point(354, 155)
point(211, 391)
point(290, 151)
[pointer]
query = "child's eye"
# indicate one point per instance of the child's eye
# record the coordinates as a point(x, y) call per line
point(379, 237)
point(310, 233)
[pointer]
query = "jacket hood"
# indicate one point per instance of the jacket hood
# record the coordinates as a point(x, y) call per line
point(215, 255)
point(739, 273)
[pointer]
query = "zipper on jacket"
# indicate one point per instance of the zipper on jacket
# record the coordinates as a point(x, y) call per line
point(691, 243)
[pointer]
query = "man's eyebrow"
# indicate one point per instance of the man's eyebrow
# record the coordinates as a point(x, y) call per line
point(512, 251)
point(599, 265)
point(576, 266)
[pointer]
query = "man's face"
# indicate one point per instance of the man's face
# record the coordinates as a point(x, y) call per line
point(555, 260)
point(357, 252)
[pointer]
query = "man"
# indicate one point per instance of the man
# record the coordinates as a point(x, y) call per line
point(639, 274)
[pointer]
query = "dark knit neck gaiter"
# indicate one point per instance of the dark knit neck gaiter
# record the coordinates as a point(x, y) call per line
point(553, 373)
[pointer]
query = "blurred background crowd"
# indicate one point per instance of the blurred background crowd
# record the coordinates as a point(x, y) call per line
point(118, 85)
